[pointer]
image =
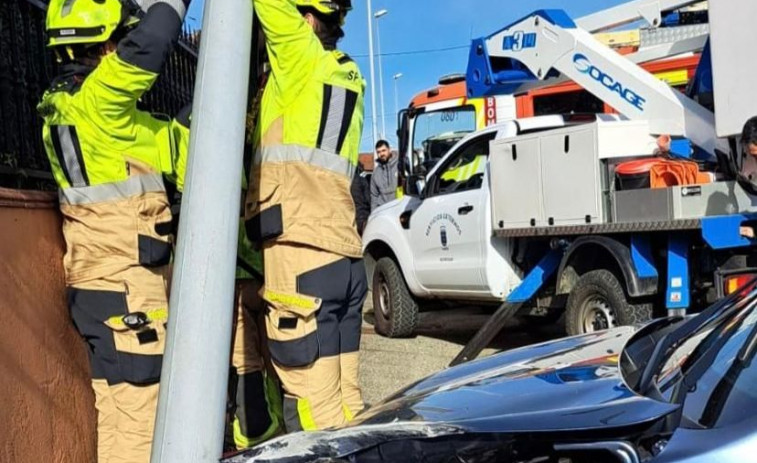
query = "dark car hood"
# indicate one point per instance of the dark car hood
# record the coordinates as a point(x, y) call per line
point(564, 385)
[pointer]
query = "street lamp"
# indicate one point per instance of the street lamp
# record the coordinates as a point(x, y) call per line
point(373, 73)
point(396, 77)
point(379, 14)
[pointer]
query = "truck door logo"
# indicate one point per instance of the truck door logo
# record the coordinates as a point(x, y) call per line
point(443, 236)
point(447, 225)
point(584, 66)
point(519, 40)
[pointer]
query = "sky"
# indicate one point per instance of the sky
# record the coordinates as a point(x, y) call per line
point(424, 40)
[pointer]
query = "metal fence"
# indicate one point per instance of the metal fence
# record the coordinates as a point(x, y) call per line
point(26, 68)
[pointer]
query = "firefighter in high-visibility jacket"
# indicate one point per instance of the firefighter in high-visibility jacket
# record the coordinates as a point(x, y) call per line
point(256, 413)
point(300, 209)
point(257, 400)
point(110, 160)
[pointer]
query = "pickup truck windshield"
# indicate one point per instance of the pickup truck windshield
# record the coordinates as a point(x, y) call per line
point(437, 131)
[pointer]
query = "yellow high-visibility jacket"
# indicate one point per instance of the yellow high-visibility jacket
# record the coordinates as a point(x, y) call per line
point(307, 139)
point(109, 159)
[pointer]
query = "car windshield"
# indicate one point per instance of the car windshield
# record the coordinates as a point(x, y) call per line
point(437, 131)
point(711, 371)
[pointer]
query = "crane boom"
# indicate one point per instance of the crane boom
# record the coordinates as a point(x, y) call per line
point(646, 55)
point(548, 43)
point(625, 13)
point(650, 11)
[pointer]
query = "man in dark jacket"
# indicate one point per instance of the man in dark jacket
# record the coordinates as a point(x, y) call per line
point(361, 194)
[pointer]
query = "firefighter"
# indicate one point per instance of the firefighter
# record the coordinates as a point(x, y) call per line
point(256, 397)
point(110, 160)
point(254, 412)
point(300, 211)
point(255, 400)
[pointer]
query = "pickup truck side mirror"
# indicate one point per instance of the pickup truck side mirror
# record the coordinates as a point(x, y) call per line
point(414, 185)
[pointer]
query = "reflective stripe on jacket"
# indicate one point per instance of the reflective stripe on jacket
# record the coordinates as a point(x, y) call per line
point(307, 138)
point(109, 159)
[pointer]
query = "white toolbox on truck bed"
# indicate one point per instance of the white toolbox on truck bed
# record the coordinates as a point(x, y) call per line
point(557, 178)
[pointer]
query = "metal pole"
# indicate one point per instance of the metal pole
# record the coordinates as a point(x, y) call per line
point(396, 97)
point(193, 387)
point(373, 72)
point(379, 15)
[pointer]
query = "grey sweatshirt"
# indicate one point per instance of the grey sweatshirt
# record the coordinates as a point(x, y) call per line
point(384, 183)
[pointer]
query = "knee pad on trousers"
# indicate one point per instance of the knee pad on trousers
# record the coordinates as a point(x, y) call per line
point(305, 326)
point(292, 328)
point(118, 353)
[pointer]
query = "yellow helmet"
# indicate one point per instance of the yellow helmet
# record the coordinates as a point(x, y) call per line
point(71, 22)
point(340, 7)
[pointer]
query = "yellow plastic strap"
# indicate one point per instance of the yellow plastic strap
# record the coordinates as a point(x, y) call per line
point(347, 412)
point(306, 415)
point(152, 315)
point(292, 300)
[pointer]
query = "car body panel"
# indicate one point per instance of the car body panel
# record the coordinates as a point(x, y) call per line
point(736, 443)
point(572, 383)
point(559, 386)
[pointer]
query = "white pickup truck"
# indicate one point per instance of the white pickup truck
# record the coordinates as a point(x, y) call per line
point(440, 241)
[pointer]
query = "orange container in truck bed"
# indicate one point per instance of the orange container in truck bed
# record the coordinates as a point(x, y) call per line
point(658, 173)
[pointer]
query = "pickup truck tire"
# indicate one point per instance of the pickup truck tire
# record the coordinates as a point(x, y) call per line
point(599, 302)
point(395, 309)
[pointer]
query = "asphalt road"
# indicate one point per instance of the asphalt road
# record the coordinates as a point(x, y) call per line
point(390, 364)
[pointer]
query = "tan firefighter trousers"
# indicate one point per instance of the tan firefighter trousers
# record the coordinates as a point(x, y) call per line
point(126, 362)
point(313, 321)
point(256, 396)
point(123, 319)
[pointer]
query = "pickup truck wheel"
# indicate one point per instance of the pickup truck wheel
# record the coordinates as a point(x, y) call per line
point(395, 309)
point(598, 302)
